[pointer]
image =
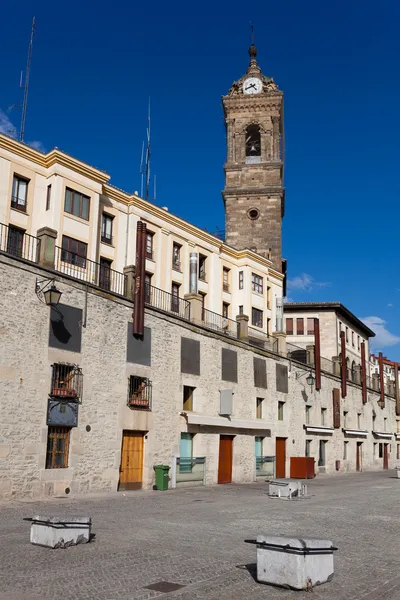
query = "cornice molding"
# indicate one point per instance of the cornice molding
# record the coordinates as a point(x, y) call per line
point(266, 166)
point(261, 191)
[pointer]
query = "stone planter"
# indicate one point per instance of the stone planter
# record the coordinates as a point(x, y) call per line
point(60, 532)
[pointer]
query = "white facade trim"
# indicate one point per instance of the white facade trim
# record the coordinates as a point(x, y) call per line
point(383, 434)
point(356, 432)
point(321, 429)
point(197, 419)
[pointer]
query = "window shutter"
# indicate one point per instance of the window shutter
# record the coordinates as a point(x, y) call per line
point(336, 408)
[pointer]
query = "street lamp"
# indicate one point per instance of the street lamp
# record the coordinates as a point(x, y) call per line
point(310, 378)
point(51, 294)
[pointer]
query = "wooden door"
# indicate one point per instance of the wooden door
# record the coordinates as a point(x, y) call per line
point(385, 456)
point(280, 458)
point(359, 456)
point(225, 459)
point(131, 469)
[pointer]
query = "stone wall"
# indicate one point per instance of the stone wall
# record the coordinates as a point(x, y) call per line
point(95, 448)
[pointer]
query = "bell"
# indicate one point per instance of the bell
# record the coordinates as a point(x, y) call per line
point(253, 149)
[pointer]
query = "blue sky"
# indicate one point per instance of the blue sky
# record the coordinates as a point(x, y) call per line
point(337, 63)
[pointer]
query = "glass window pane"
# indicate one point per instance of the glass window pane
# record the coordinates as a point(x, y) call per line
point(68, 201)
point(85, 207)
point(76, 200)
point(258, 446)
point(15, 187)
point(22, 185)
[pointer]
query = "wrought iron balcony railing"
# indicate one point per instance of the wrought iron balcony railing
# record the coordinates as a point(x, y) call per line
point(89, 271)
point(139, 392)
point(166, 302)
point(17, 243)
point(66, 382)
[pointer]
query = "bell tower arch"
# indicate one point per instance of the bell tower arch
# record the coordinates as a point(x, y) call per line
point(254, 194)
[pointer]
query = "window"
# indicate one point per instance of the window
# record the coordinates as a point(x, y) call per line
point(253, 144)
point(175, 297)
point(149, 244)
point(258, 446)
point(347, 335)
point(240, 309)
point(380, 450)
point(269, 301)
point(203, 304)
point(202, 267)
point(308, 414)
point(188, 397)
point(225, 310)
point(73, 252)
point(269, 326)
point(280, 410)
point(225, 279)
point(384, 423)
point(256, 317)
point(186, 453)
point(345, 450)
point(375, 445)
point(57, 447)
point(259, 407)
point(308, 448)
point(66, 381)
point(19, 193)
point(340, 328)
point(359, 420)
point(48, 197)
point(398, 452)
point(323, 416)
point(257, 283)
point(241, 282)
point(289, 326)
point(15, 241)
point(176, 256)
point(105, 273)
point(300, 326)
point(352, 339)
point(373, 421)
point(106, 228)
point(322, 453)
point(310, 326)
point(139, 393)
point(345, 413)
point(77, 204)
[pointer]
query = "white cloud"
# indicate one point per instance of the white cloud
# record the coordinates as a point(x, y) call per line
point(383, 337)
point(5, 125)
point(390, 304)
point(304, 283)
point(287, 299)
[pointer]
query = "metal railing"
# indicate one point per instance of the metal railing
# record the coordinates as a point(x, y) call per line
point(167, 302)
point(297, 353)
point(219, 323)
point(261, 339)
point(265, 466)
point(66, 381)
point(89, 271)
point(19, 244)
point(328, 366)
point(139, 392)
point(187, 471)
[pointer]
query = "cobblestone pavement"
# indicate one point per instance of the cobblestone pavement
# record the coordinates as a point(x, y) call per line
point(195, 537)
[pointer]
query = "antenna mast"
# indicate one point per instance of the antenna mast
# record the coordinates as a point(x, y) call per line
point(25, 86)
point(145, 166)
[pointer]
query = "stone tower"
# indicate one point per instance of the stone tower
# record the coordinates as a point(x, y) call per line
point(254, 193)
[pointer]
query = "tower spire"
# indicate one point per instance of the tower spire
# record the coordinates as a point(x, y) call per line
point(253, 66)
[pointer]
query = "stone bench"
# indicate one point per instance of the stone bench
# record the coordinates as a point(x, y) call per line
point(297, 563)
point(60, 532)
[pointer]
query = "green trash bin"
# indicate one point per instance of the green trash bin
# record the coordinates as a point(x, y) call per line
point(162, 477)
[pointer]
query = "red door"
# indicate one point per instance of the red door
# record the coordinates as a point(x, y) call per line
point(385, 456)
point(359, 456)
point(280, 458)
point(225, 459)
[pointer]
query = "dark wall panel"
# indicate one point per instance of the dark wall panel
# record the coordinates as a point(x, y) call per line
point(229, 365)
point(138, 349)
point(260, 372)
point(281, 378)
point(65, 328)
point(190, 356)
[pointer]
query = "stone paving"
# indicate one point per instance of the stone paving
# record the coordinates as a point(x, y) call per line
point(194, 537)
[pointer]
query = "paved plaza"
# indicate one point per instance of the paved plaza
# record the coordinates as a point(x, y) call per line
point(195, 538)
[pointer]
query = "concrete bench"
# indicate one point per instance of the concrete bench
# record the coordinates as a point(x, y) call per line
point(294, 563)
point(60, 532)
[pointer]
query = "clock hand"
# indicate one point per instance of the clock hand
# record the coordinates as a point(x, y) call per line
point(252, 85)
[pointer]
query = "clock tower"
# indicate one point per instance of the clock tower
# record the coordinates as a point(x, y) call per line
point(254, 192)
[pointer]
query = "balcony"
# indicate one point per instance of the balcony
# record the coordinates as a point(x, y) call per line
point(219, 323)
point(66, 382)
point(89, 271)
point(167, 302)
point(139, 393)
point(17, 243)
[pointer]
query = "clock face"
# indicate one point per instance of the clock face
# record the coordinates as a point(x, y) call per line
point(252, 85)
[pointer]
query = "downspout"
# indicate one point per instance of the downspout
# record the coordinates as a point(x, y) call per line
point(126, 237)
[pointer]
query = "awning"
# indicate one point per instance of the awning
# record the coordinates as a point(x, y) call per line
point(356, 432)
point(383, 434)
point(397, 436)
point(319, 429)
point(213, 421)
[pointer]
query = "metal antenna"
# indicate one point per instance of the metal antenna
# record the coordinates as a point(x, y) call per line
point(145, 167)
point(25, 86)
point(252, 33)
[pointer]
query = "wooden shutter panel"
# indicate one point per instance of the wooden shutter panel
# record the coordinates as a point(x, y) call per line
point(336, 408)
